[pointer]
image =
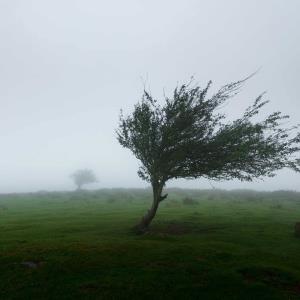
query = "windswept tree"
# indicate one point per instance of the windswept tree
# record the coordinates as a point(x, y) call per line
point(82, 177)
point(187, 136)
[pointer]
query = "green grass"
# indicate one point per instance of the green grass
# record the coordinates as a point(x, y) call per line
point(231, 245)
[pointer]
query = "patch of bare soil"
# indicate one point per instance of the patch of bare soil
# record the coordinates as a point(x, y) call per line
point(181, 228)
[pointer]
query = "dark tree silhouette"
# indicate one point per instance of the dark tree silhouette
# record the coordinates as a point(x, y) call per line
point(82, 177)
point(188, 137)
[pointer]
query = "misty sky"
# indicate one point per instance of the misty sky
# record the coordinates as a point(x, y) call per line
point(67, 67)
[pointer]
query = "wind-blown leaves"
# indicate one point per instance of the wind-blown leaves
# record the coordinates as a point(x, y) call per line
point(188, 137)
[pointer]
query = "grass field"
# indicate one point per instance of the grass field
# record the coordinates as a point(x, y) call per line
point(202, 245)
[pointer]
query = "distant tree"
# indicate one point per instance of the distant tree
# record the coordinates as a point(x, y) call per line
point(187, 137)
point(82, 177)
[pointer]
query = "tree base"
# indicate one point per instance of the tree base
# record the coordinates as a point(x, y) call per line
point(140, 229)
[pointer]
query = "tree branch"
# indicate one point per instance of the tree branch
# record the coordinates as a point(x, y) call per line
point(162, 198)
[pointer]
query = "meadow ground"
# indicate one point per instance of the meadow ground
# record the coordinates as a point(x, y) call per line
point(202, 245)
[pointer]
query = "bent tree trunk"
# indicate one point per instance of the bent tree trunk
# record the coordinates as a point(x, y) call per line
point(143, 226)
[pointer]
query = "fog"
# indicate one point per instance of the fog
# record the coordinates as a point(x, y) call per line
point(68, 67)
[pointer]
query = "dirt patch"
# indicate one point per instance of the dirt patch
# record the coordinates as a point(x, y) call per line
point(178, 229)
point(181, 228)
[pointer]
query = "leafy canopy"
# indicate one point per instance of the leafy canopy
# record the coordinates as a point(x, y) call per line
point(83, 176)
point(188, 137)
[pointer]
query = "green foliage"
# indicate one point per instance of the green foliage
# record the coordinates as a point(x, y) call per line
point(188, 137)
point(82, 177)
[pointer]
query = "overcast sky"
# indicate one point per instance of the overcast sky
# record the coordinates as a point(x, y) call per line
point(67, 67)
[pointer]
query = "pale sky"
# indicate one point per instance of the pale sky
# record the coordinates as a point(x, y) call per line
point(67, 67)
